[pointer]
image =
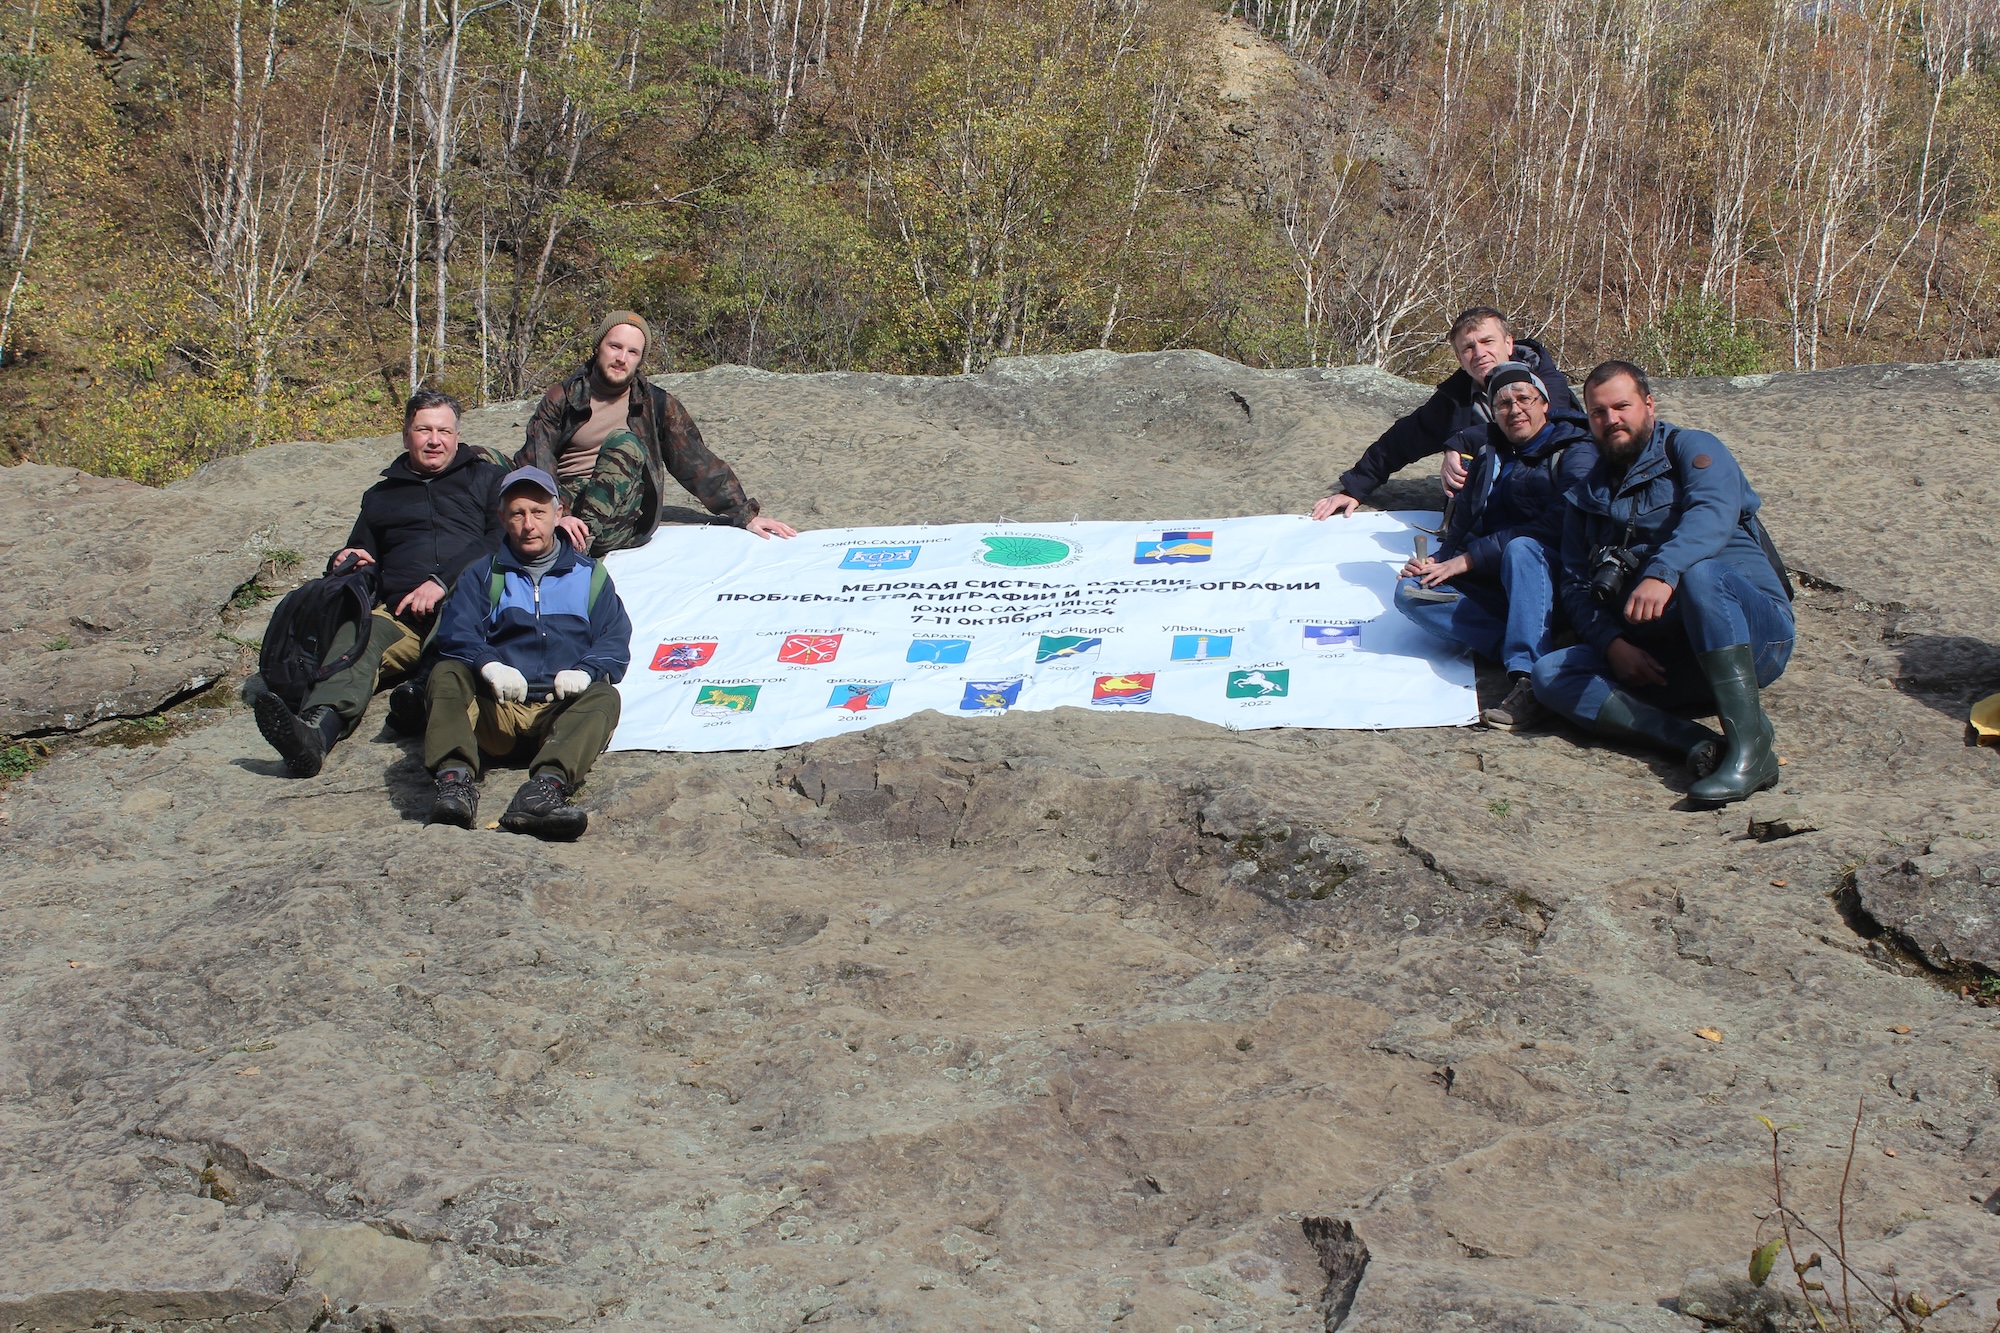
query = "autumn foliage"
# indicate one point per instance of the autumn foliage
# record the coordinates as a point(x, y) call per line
point(230, 221)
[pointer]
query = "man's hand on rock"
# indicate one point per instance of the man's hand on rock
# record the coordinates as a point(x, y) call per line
point(1648, 601)
point(577, 531)
point(569, 684)
point(422, 599)
point(1337, 503)
point(1633, 665)
point(509, 685)
point(770, 527)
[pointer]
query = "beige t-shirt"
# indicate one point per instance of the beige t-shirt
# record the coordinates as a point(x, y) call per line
point(579, 456)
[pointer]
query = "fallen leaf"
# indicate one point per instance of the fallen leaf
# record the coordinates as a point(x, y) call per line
point(249, 1071)
point(494, 825)
point(1708, 1034)
point(74, 963)
point(1888, 1152)
point(1901, 1029)
point(1779, 883)
point(413, 953)
point(1782, 762)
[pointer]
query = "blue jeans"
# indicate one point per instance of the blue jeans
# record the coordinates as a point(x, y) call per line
point(1509, 622)
point(1714, 607)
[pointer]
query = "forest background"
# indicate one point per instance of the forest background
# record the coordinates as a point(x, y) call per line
point(225, 222)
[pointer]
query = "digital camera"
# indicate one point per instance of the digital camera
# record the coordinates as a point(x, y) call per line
point(1611, 568)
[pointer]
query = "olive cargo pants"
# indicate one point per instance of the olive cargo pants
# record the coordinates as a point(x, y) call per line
point(466, 725)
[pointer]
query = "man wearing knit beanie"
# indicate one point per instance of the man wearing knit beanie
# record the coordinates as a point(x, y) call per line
point(611, 439)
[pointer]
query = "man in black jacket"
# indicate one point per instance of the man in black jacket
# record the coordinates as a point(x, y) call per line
point(434, 512)
point(1481, 339)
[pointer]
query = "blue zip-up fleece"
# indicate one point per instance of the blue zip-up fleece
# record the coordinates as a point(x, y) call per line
point(1513, 492)
point(1687, 500)
point(540, 627)
point(1456, 404)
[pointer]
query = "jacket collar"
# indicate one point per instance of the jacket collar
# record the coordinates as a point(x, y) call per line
point(1651, 462)
point(399, 468)
point(577, 389)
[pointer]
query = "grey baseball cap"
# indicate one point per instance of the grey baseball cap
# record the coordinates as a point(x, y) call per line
point(530, 476)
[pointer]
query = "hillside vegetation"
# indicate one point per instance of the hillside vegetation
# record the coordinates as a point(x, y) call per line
point(224, 222)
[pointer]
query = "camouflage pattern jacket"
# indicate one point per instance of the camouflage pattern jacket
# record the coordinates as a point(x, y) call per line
point(673, 446)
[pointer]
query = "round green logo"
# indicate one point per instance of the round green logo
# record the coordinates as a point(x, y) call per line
point(1023, 552)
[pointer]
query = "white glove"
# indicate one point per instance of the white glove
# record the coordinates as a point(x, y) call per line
point(508, 684)
point(570, 683)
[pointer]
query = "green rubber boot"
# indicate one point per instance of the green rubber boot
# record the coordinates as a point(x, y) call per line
point(1624, 718)
point(1748, 764)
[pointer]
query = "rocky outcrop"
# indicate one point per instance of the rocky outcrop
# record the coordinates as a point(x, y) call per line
point(1056, 1020)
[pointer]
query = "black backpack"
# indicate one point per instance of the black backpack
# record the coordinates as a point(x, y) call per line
point(294, 657)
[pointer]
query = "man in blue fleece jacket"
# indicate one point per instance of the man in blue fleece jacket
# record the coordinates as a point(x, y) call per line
point(542, 630)
point(1676, 591)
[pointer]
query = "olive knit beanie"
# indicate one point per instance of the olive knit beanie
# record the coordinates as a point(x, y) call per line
point(616, 317)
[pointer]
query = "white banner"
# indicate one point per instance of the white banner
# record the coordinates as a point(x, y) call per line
point(740, 643)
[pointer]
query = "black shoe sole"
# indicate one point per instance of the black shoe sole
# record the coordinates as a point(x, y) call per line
point(288, 736)
point(565, 825)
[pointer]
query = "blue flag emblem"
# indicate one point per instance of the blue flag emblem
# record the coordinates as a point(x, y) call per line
point(938, 650)
point(880, 557)
point(984, 694)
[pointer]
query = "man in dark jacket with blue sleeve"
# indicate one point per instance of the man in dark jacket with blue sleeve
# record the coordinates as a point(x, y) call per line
point(530, 647)
point(434, 512)
point(1481, 339)
point(1672, 584)
point(1492, 587)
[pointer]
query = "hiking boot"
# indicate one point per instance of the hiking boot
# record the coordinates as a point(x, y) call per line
point(542, 808)
point(457, 799)
point(1519, 711)
point(301, 739)
point(408, 712)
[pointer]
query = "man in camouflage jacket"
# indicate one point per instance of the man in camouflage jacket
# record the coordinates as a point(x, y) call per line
point(611, 438)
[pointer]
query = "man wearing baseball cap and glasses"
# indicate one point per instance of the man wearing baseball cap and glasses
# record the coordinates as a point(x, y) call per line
point(530, 645)
point(1492, 587)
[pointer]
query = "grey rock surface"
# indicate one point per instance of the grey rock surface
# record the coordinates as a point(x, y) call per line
point(1945, 909)
point(1054, 1021)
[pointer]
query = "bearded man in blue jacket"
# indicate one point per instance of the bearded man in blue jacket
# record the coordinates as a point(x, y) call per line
point(1492, 587)
point(1674, 587)
point(530, 646)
